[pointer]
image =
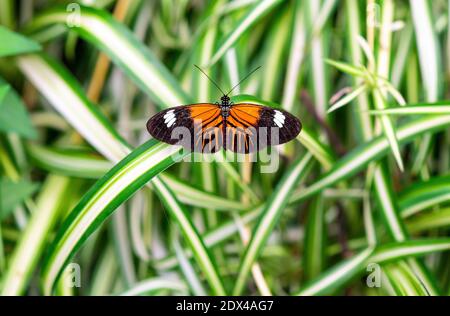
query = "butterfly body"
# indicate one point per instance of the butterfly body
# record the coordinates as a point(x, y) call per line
point(207, 127)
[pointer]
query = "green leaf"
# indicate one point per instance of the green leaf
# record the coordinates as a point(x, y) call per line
point(438, 108)
point(403, 281)
point(122, 46)
point(429, 221)
point(412, 248)
point(430, 61)
point(424, 194)
point(13, 193)
point(274, 54)
point(32, 241)
point(314, 242)
point(259, 10)
point(372, 151)
point(269, 218)
point(338, 276)
point(356, 71)
point(428, 48)
point(15, 44)
point(388, 128)
point(154, 284)
point(347, 99)
point(13, 114)
point(71, 162)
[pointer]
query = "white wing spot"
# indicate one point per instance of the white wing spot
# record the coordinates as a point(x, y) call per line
point(169, 118)
point(169, 113)
point(171, 122)
point(279, 118)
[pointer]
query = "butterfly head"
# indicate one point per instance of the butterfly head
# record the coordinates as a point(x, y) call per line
point(225, 100)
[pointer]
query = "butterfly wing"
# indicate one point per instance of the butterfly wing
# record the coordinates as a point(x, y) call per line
point(252, 127)
point(197, 127)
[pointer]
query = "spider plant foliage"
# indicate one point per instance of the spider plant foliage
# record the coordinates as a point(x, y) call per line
point(357, 204)
point(370, 81)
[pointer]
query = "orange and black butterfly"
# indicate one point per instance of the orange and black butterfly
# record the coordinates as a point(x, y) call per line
point(207, 127)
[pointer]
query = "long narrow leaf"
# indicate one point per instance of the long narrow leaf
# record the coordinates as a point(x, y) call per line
point(269, 218)
point(123, 47)
point(260, 9)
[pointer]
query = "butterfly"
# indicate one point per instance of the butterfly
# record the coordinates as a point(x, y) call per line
point(207, 127)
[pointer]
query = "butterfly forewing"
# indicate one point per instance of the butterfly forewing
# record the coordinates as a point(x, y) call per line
point(252, 127)
point(196, 127)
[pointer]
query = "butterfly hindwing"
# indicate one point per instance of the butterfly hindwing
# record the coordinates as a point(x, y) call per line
point(196, 127)
point(252, 127)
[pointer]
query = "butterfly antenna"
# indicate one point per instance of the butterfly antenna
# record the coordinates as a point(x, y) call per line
point(249, 74)
point(210, 79)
